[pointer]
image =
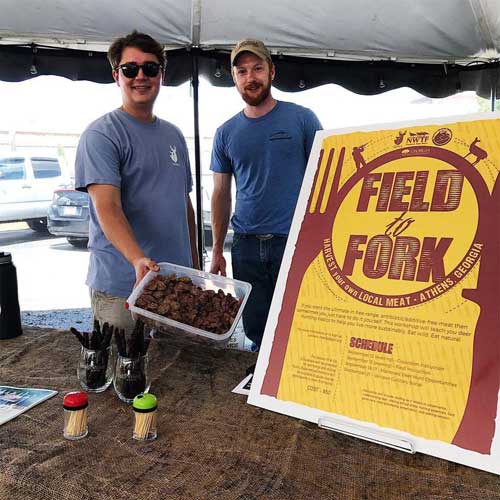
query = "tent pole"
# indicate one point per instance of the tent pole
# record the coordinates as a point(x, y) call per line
point(493, 98)
point(494, 82)
point(197, 159)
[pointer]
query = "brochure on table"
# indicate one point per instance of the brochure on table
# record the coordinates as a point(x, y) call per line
point(244, 386)
point(385, 318)
point(17, 400)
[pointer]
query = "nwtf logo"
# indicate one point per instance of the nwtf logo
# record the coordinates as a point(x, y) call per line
point(417, 138)
point(414, 138)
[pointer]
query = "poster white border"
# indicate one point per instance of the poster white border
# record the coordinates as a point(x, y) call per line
point(438, 449)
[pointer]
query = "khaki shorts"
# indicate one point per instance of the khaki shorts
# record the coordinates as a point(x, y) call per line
point(111, 309)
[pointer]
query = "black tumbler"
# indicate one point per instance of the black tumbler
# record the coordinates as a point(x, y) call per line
point(10, 315)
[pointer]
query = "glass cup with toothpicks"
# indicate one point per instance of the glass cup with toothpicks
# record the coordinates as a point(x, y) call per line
point(145, 406)
point(75, 415)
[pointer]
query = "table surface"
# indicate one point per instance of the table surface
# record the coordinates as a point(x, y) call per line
point(211, 444)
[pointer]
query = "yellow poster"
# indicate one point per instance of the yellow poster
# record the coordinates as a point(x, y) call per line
point(387, 308)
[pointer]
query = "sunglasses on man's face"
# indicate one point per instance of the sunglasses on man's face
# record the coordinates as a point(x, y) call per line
point(131, 70)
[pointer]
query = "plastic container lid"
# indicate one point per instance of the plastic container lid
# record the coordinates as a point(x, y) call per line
point(75, 401)
point(144, 403)
point(5, 258)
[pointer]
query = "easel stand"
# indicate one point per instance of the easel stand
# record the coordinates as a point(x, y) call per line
point(359, 431)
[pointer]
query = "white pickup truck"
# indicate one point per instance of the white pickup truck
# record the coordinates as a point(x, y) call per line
point(27, 184)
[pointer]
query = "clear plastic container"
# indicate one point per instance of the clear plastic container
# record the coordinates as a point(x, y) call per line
point(206, 281)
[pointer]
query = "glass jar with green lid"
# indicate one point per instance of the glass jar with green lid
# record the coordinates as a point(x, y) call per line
point(145, 407)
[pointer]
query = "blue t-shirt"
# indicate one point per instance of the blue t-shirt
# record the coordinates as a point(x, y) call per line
point(268, 158)
point(149, 163)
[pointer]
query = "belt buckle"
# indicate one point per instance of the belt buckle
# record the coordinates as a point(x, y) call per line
point(264, 237)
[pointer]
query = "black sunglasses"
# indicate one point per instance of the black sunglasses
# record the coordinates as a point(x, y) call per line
point(131, 70)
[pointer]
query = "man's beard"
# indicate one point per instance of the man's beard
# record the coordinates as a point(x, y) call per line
point(255, 100)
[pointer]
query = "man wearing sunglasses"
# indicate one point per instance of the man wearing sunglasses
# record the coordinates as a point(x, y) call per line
point(265, 147)
point(136, 170)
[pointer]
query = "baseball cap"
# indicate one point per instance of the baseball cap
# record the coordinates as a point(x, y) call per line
point(251, 45)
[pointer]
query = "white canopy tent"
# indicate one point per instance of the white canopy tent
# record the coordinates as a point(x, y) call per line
point(426, 31)
point(437, 48)
point(451, 42)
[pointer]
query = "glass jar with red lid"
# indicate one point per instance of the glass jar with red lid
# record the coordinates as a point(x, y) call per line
point(75, 415)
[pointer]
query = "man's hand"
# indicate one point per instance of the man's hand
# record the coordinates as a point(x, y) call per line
point(142, 266)
point(218, 264)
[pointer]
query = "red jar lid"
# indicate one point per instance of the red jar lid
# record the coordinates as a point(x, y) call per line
point(75, 400)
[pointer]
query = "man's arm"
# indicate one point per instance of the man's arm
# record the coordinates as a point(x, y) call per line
point(192, 233)
point(107, 203)
point(221, 211)
point(311, 125)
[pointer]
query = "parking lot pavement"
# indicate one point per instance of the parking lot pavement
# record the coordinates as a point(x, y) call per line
point(18, 232)
point(50, 274)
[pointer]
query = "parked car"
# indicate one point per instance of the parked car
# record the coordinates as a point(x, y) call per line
point(68, 215)
point(27, 183)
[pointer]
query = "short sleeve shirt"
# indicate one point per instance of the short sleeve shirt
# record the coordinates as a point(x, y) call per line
point(149, 163)
point(268, 158)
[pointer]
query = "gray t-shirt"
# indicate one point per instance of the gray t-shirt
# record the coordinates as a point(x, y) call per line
point(149, 162)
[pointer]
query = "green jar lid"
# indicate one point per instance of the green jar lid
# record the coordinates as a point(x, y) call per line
point(144, 403)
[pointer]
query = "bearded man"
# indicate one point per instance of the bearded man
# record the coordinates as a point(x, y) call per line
point(266, 147)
